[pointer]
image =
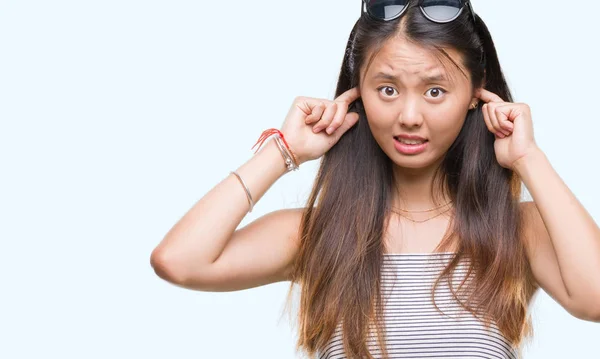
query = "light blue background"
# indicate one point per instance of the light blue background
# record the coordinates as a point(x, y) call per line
point(117, 116)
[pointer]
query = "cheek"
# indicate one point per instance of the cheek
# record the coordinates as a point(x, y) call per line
point(449, 126)
point(378, 118)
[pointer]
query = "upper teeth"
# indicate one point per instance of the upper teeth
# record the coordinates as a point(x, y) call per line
point(410, 142)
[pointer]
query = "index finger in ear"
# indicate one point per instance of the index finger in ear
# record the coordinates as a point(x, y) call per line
point(489, 96)
point(349, 96)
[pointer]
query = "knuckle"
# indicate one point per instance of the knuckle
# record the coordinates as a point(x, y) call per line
point(336, 122)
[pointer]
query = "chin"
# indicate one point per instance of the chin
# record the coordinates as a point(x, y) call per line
point(412, 164)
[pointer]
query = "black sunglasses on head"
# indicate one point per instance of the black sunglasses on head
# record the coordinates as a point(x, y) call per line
point(440, 11)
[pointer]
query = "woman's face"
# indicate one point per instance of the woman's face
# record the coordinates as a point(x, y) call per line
point(407, 91)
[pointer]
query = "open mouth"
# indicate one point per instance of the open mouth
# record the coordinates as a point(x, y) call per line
point(410, 147)
point(410, 142)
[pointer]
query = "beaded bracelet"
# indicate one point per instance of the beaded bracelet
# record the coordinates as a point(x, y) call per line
point(288, 155)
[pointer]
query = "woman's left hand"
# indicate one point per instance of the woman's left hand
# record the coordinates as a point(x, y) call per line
point(512, 125)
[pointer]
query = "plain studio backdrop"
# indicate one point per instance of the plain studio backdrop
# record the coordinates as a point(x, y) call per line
point(117, 116)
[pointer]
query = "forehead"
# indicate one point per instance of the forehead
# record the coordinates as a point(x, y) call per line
point(401, 59)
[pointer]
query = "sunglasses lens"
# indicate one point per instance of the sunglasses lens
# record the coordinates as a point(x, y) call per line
point(442, 10)
point(386, 9)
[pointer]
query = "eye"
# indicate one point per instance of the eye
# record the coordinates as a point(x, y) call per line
point(387, 92)
point(438, 92)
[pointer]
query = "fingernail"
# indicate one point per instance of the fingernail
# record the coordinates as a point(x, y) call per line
point(329, 130)
point(316, 129)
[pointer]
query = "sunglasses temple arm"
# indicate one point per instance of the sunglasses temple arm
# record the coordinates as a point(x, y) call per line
point(472, 11)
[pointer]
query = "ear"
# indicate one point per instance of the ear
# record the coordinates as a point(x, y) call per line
point(476, 90)
point(475, 98)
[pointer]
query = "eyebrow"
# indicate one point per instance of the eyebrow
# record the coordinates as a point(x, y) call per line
point(430, 78)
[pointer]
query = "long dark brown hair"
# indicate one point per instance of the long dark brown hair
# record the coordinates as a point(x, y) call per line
point(341, 252)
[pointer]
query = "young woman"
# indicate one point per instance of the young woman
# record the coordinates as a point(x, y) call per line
point(414, 240)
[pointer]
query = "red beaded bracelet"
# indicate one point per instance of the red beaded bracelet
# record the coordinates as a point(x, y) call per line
point(268, 133)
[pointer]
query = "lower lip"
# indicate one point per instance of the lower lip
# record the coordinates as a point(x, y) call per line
point(410, 149)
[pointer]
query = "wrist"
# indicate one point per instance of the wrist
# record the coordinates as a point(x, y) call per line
point(287, 154)
point(523, 164)
point(273, 154)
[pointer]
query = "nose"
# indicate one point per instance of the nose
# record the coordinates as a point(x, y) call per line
point(410, 114)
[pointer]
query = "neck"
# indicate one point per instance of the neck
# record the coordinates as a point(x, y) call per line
point(414, 190)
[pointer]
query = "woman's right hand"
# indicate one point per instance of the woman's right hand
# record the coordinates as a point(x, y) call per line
point(305, 126)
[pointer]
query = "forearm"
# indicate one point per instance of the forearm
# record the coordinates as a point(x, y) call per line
point(573, 232)
point(203, 232)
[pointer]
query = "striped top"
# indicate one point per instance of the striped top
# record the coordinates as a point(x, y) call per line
point(415, 328)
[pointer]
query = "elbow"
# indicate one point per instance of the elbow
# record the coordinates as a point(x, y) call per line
point(595, 306)
point(164, 268)
point(595, 314)
point(590, 316)
point(590, 311)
